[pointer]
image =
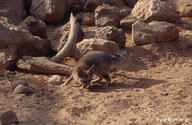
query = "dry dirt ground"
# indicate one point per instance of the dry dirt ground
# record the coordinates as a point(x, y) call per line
point(155, 88)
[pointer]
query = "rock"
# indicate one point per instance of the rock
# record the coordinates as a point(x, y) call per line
point(183, 7)
point(109, 33)
point(88, 19)
point(95, 44)
point(15, 35)
point(164, 31)
point(124, 12)
point(21, 89)
point(77, 5)
point(59, 33)
point(127, 22)
point(19, 82)
point(130, 3)
point(156, 11)
point(48, 10)
point(35, 26)
point(91, 5)
point(13, 10)
point(55, 79)
point(143, 33)
point(8, 118)
point(8, 56)
point(117, 3)
point(106, 15)
point(185, 39)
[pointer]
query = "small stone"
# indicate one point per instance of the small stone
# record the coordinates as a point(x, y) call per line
point(19, 82)
point(21, 89)
point(8, 118)
point(55, 79)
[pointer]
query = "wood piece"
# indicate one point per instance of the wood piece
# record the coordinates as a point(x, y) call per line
point(70, 41)
point(43, 65)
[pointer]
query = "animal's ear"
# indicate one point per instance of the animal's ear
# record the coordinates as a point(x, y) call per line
point(81, 72)
point(91, 69)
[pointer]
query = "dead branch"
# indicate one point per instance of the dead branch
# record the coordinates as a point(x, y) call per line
point(43, 65)
point(70, 41)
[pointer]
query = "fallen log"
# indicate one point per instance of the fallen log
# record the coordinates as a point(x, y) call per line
point(43, 65)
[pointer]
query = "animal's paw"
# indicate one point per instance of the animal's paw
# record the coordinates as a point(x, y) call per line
point(106, 86)
point(62, 85)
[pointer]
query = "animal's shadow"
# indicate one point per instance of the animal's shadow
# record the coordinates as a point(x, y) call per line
point(139, 83)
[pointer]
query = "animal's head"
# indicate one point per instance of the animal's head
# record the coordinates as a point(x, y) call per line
point(85, 76)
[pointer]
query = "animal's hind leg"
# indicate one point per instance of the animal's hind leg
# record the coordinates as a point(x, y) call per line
point(107, 78)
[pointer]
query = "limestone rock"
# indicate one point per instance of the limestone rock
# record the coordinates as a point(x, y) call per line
point(51, 11)
point(154, 10)
point(155, 31)
point(55, 79)
point(106, 15)
point(109, 33)
point(164, 31)
point(142, 33)
point(95, 44)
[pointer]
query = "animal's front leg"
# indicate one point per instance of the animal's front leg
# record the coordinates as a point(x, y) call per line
point(107, 78)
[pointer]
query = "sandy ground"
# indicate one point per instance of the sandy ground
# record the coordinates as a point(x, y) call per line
point(155, 88)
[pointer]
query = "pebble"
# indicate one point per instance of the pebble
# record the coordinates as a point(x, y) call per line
point(8, 118)
point(21, 89)
point(19, 82)
point(55, 79)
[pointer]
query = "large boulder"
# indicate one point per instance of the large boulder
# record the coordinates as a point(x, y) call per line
point(59, 37)
point(91, 5)
point(35, 26)
point(183, 7)
point(95, 44)
point(106, 15)
point(164, 31)
point(154, 10)
point(8, 55)
point(109, 33)
point(143, 33)
point(13, 10)
point(15, 35)
point(51, 11)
